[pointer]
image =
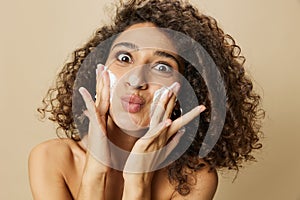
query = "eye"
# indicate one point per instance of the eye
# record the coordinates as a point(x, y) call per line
point(124, 57)
point(163, 68)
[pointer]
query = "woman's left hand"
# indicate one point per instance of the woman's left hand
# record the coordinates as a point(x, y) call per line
point(151, 150)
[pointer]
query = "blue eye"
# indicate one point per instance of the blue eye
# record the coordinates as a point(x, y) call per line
point(163, 68)
point(123, 57)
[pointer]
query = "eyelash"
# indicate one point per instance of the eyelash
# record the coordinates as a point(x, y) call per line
point(121, 53)
point(124, 53)
point(169, 68)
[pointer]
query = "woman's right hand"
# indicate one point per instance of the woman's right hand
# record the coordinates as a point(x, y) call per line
point(95, 171)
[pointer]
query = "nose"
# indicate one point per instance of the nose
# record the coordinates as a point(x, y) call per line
point(137, 79)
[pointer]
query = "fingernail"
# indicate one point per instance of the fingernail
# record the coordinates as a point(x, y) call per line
point(100, 65)
point(81, 90)
point(201, 108)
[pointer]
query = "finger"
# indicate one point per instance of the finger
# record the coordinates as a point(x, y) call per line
point(88, 100)
point(90, 105)
point(99, 82)
point(159, 110)
point(157, 130)
point(102, 90)
point(105, 94)
point(185, 119)
point(174, 89)
point(155, 101)
point(161, 101)
point(170, 107)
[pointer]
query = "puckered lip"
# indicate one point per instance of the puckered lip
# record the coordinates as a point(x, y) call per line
point(132, 103)
point(133, 98)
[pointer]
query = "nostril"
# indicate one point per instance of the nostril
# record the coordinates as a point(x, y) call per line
point(136, 82)
point(142, 87)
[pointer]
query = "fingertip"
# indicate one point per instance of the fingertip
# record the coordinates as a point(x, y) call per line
point(85, 94)
point(201, 108)
point(175, 87)
point(100, 67)
point(81, 90)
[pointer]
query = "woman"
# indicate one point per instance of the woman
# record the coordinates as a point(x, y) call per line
point(141, 112)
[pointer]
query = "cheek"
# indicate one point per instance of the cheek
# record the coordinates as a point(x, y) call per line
point(119, 70)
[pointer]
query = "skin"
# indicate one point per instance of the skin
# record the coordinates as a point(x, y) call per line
point(137, 51)
point(65, 169)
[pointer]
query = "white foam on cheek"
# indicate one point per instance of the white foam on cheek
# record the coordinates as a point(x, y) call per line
point(113, 81)
point(157, 95)
point(160, 91)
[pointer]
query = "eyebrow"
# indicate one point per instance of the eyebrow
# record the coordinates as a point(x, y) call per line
point(167, 55)
point(128, 45)
point(157, 53)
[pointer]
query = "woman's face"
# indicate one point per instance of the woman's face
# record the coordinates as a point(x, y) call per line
point(143, 59)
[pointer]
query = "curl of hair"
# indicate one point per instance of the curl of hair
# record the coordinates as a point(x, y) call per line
point(242, 128)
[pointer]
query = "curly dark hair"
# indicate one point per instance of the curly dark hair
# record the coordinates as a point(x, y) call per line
point(242, 126)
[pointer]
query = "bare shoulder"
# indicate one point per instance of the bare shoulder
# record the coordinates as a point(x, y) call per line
point(57, 155)
point(55, 152)
point(48, 164)
point(51, 146)
point(203, 185)
point(56, 149)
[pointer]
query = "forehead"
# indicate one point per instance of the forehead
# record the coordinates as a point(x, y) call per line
point(146, 35)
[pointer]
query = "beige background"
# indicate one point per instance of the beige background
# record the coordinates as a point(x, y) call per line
point(37, 37)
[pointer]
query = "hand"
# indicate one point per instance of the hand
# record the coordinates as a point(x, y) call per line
point(151, 150)
point(98, 154)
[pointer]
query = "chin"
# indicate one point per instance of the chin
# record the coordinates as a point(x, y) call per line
point(130, 123)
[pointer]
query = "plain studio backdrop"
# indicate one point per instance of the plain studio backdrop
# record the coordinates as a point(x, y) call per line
point(36, 38)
